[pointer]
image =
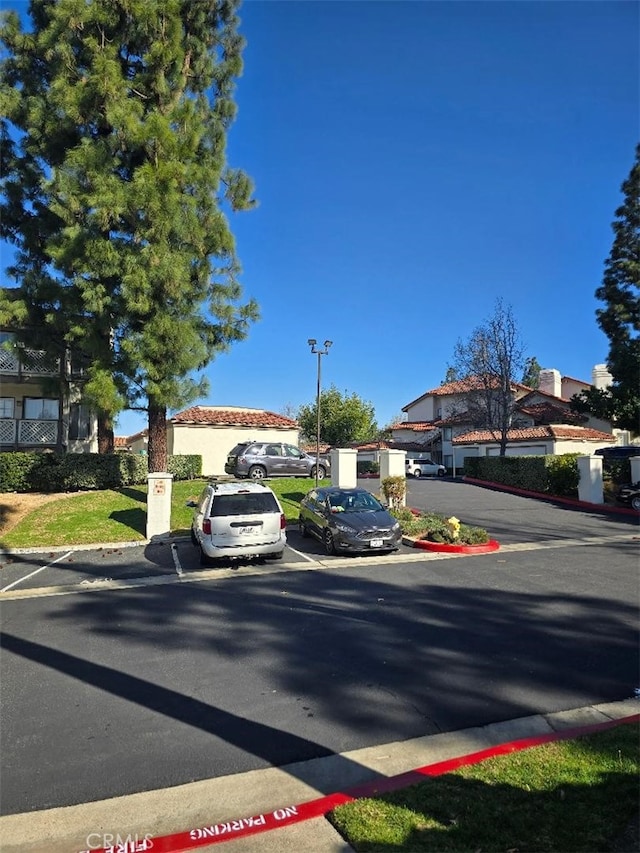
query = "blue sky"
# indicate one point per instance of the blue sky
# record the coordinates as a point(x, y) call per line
point(415, 161)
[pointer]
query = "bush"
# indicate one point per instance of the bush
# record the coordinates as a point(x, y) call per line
point(16, 470)
point(551, 475)
point(437, 528)
point(185, 467)
point(73, 472)
point(367, 467)
point(394, 490)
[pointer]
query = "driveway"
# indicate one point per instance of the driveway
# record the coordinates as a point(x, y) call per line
point(165, 680)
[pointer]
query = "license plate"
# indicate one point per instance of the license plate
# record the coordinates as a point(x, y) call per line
point(245, 530)
point(376, 543)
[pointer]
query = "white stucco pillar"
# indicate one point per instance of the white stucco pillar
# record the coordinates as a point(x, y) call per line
point(590, 485)
point(392, 463)
point(635, 469)
point(159, 504)
point(344, 468)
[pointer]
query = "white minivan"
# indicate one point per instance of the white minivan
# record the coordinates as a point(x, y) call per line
point(238, 520)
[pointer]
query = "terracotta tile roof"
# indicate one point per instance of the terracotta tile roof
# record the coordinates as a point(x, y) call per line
point(537, 433)
point(414, 426)
point(311, 448)
point(120, 441)
point(233, 417)
point(460, 386)
point(550, 413)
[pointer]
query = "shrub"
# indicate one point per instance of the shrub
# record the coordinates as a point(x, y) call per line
point(16, 469)
point(367, 467)
point(73, 472)
point(437, 528)
point(394, 490)
point(551, 475)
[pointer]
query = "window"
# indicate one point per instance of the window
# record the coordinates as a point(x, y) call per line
point(6, 407)
point(292, 451)
point(273, 450)
point(79, 421)
point(249, 504)
point(41, 409)
point(447, 434)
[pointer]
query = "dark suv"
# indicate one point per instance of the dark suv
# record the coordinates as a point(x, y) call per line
point(258, 459)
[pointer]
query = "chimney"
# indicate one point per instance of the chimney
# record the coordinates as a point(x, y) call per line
point(600, 376)
point(550, 382)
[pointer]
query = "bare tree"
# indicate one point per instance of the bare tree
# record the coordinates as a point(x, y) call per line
point(489, 363)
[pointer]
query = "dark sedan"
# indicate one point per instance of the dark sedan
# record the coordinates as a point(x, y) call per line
point(348, 521)
point(630, 495)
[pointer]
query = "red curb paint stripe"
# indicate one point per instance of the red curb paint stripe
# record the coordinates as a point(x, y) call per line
point(447, 548)
point(289, 815)
point(574, 502)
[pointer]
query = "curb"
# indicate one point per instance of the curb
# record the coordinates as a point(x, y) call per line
point(571, 502)
point(447, 548)
point(208, 835)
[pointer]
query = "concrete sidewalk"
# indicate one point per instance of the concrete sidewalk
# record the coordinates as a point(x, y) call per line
point(260, 792)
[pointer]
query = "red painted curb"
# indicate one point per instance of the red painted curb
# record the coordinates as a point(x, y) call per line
point(574, 502)
point(446, 548)
point(204, 836)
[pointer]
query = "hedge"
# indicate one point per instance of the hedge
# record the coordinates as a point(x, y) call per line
point(552, 475)
point(72, 472)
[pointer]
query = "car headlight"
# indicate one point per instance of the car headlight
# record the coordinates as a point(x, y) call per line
point(396, 526)
point(343, 528)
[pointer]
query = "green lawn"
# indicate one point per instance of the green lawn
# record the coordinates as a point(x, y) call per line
point(577, 795)
point(119, 515)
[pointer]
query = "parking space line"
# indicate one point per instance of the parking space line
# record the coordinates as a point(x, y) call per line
point(304, 556)
point(35, 572)
point(176, 560)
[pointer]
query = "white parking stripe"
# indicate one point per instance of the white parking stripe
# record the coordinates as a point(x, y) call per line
point(35, 572)
point(304, 556)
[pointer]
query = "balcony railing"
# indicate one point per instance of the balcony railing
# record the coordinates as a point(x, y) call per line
point(29, 432)
point(33, 363)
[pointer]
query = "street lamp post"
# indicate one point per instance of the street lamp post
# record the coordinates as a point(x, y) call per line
point(319, 352)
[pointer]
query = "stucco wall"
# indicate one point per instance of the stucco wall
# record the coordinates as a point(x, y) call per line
point(214, 443)
point(422, 411)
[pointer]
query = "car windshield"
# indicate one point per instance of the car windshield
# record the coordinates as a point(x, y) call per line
point(243, 504)
point(353, 502)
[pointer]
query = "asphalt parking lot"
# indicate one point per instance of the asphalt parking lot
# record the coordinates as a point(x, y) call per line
point(507, 517)
point(175, 559)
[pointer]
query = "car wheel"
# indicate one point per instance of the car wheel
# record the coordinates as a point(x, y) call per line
point(417, 472)
point(635, 502)
point(204, 559)
point(441, 473)
point(321, 472)
point(277, 556)
point(329, 544)
point(303, 529)
point(257, 472)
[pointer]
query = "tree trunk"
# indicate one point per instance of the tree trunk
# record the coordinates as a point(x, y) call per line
point(157, 447)
point(106, 443)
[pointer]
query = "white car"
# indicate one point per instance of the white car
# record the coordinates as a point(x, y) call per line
point(238, 520)
point(423, 468)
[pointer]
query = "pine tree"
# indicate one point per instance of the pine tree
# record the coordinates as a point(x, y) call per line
point(117, 191)
point(531, 373)
point(619, 319)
